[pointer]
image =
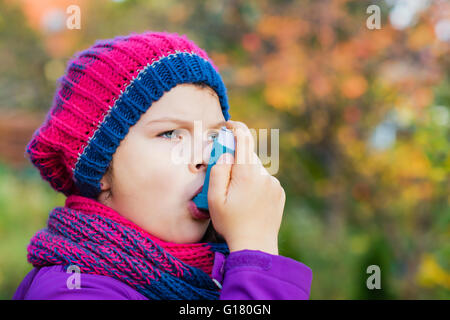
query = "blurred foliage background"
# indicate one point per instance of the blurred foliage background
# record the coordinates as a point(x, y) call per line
point(363, 117)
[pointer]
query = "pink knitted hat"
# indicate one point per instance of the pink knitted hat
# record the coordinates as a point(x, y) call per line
point(104, 91)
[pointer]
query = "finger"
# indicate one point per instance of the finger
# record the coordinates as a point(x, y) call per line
point(219, 178)
point(259, 165)
point(275, 180)
point(245, 145)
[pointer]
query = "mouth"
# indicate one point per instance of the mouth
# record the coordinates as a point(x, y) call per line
point(197, 213)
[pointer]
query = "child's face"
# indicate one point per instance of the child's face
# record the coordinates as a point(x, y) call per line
point(148, 187)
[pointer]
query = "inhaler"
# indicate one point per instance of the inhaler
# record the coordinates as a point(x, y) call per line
point(222, 144)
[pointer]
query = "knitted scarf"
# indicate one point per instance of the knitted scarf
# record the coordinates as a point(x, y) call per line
point(99, 241)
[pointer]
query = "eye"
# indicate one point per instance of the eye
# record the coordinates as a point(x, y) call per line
point(216, 134)
point(163, 134)
point(170, 136)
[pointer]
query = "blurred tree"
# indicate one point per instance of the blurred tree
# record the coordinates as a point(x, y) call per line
point(22, 81)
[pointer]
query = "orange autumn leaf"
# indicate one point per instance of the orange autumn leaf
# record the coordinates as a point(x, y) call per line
point(320, 85)
point(247, 76)
point(354, 86)
point(251, 42)
point(286, 98)
point(421, 37)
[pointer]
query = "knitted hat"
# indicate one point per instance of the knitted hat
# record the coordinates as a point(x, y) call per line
point(103, 92)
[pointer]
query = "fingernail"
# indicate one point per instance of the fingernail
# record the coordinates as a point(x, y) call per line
point(225, 158)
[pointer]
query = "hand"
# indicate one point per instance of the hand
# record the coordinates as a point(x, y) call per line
point(245, 202)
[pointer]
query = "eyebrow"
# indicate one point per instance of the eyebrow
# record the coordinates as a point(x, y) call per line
point(183, 122)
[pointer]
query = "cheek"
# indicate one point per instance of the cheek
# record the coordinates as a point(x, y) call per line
point(146, 167)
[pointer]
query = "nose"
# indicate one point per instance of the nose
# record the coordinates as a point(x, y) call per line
point(202, 148)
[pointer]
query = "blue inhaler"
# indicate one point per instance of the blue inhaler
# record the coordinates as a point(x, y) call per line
point(222, 144)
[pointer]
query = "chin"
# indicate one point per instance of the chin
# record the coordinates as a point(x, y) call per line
point(188, 240)
point(186, 231)
point(193, 237)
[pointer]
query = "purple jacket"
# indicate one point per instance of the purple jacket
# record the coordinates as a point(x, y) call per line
point(243, 275)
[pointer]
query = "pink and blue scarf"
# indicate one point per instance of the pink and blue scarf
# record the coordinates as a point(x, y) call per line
point(99, 241)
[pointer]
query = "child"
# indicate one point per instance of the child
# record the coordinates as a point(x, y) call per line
point(129, 229)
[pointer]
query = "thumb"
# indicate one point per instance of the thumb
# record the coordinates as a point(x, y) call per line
point(220, 177)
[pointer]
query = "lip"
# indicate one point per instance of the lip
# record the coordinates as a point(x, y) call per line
point(197, 213)
point(197, 192)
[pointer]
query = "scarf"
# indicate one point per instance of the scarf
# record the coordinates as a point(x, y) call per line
point(100, 241)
